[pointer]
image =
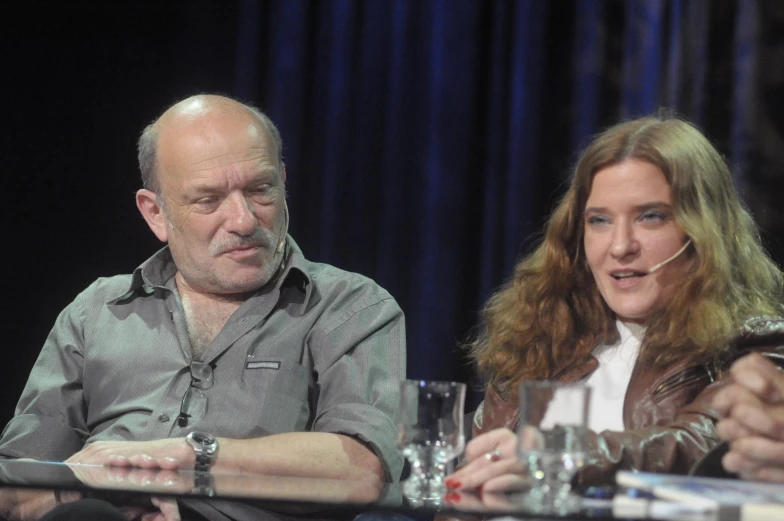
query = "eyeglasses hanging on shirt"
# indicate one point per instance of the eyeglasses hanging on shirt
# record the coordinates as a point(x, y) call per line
point(194, 402)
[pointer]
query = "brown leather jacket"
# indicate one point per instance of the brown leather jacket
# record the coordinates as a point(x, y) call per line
point(669, 420)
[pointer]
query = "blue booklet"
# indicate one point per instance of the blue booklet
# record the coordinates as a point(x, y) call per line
point(711, 497)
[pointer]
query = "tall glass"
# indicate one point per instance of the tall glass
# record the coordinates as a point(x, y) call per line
point(552, 438)
point(430, 434)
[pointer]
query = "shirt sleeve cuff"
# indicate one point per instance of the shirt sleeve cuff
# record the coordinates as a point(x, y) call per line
point(39, 437)
point(370, 426)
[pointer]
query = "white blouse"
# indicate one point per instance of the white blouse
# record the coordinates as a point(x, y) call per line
point(608, 383)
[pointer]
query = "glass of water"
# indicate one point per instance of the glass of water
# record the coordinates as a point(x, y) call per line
point(430, 435)
point(552, 437)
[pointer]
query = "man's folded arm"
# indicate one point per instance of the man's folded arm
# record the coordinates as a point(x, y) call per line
point(359, 358)
point(49, 422)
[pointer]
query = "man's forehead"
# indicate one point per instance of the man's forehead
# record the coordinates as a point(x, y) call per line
point(197, 120)
point(205, 140)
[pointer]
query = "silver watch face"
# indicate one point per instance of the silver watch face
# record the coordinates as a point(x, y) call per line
point(202, 438)
point(205, 446)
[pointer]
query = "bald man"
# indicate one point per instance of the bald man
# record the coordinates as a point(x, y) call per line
point(226, 350)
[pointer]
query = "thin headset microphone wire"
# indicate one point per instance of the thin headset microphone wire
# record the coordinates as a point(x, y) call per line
point(667, 261)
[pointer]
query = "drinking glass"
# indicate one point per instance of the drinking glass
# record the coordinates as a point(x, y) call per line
point(552, 437)
point(430, 434)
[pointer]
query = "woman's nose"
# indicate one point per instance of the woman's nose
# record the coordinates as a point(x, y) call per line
point(624, 241)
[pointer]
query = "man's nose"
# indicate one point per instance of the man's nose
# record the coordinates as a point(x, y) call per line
point(624, 241)
point(241, 219)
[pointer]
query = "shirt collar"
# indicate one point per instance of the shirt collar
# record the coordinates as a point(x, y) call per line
point(295, 269)
point(630, 329)
point(159, 269)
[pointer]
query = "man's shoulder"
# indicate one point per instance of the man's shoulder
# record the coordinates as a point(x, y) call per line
point(345, 293)
point(350, 305)
point(330, 279)
point(107, 289)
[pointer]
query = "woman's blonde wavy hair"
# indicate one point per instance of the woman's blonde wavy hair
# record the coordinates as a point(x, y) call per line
point(550, 312)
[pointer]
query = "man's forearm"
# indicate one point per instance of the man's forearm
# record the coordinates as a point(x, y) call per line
point(311, 454)
point(307, 454)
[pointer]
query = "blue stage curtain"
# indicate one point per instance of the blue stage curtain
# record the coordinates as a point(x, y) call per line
point(426, 140)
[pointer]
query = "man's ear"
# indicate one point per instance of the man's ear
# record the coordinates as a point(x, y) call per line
point(150, 208)
point(283, 174)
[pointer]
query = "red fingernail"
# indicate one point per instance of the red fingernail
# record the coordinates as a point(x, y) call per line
point(453, 497)
point(452, 483)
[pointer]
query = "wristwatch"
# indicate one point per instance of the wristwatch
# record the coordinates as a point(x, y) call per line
point(203, 485)
point(206, 448)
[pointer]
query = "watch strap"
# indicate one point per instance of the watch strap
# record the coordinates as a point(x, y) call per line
point(203, 485)
point(205, 448)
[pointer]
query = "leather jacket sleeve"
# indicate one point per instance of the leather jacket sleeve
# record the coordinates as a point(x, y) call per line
point(672, 448)
point(678, 446)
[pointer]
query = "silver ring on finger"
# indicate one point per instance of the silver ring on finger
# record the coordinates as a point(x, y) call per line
point(493, 456)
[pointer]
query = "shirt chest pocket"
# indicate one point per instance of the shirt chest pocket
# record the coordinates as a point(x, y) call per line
point(268, 399)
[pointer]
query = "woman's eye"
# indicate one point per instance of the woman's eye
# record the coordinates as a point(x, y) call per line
point(653, 216)
point(597, 219)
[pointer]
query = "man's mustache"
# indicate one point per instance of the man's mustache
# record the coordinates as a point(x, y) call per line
point(260, 237)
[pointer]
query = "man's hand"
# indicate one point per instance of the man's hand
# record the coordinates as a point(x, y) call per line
point(752, 406)
point(491, 464)
point(24, 504)
point(168, 454)
point(144, 480)
point(153, 461)
point(133, 479)
point(167, 511)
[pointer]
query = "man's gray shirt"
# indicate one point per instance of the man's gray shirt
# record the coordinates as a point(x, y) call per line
point(320, 349)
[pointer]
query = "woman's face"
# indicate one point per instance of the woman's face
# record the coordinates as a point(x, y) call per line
point(630, 227)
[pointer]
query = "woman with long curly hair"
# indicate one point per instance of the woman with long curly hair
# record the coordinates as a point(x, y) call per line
point(649, 281)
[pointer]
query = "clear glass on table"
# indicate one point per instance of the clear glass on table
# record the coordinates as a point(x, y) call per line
point(552, 442)
point(430, 435)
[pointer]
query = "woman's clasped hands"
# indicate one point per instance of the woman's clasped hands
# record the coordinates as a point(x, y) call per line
point(752, 409)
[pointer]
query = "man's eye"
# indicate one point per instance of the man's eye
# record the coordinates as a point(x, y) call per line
point(262, 193)
point(206, 201)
